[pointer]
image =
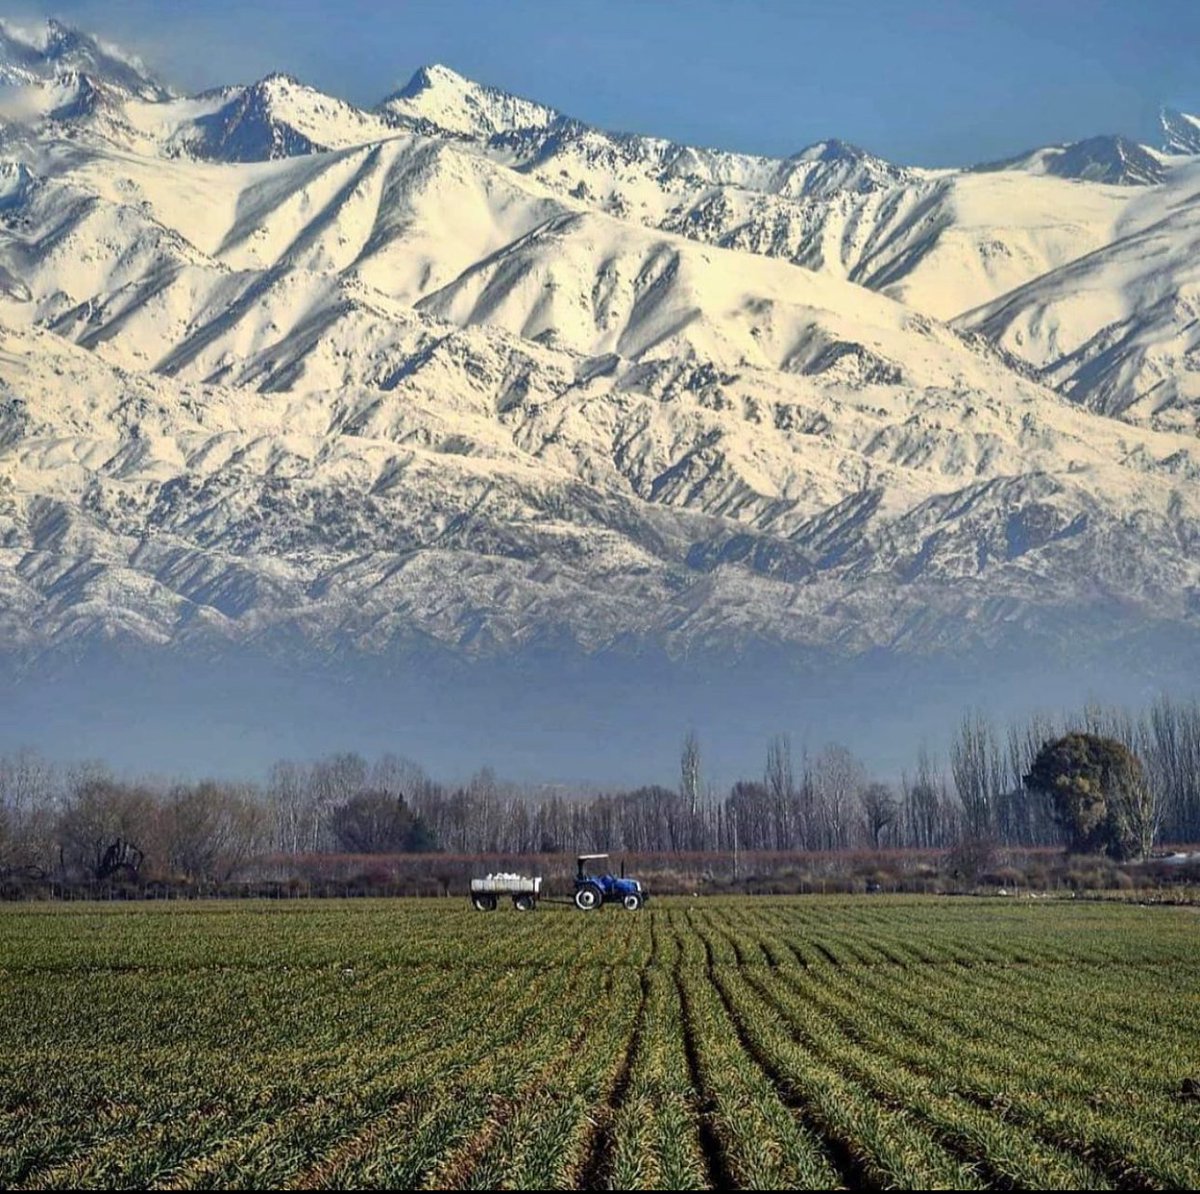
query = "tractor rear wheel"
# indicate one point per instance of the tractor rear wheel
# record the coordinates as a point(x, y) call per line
point(632, 902)
point(484, 902)
point(524, 903)
point(589, 897)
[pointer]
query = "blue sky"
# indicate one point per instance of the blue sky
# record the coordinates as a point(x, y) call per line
point(922, 83)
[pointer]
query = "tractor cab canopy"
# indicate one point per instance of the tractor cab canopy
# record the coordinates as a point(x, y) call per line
point(584, 873)
point(582, 858)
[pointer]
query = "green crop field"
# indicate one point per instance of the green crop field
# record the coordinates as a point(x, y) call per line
point(738, 1043)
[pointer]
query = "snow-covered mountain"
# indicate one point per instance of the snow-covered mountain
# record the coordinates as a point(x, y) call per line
point(1115, 160)
point(463, 369)
point(1116, 330)
point(274, 118)
point(1181, 132)
point(46, 53)
point(54, 75)
point(437, 97)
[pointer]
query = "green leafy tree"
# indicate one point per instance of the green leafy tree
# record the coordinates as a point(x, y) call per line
point(1098, 794)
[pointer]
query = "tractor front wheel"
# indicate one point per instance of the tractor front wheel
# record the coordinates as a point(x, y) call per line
point(484, 902)
point(632, 902)
point(588, 898)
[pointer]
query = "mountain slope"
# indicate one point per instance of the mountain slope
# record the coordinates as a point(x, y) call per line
point(438, 98)
point(466, 371)
point(1117, 329)
point(1116, 161)
point(1181, 132)
point(273, 118)
point(452, 505)
point(943, 241)
point(48, 52)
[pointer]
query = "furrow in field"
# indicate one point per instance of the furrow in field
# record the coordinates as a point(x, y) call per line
point(875, 1147)
point(1042, 1106)
point(548, 1138)
point(1002, 1157)
point(598, 1168)
point(458, 1169)
point(718, 1171)
point(761, 1139)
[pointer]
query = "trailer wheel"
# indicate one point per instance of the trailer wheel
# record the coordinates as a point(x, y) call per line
point(588, 898)
point(484, 902)
point(632, 902)
point(524, 903)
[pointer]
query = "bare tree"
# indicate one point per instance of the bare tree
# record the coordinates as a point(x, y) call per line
point(780, 780)
point(292, 808)
point(1172, 755)
point(749, 813)
point(398, 776)
point(107, 829)
point(689, 772)
point(212, 829)
point(880, 811)
point(808, 830)
point(333, 781)
point(29, 796)
point(838, 778)
point(1140, 810)
point(978, 771)
point(488, 798)
point(1026, 820)
point(930, 818)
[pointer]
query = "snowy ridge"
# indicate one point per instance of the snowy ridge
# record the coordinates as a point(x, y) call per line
point(1117, 161)
point(1116, 330)
point(464, 369)
point(46, 52)
point(276, 117)
point(439, 98)
point(1181, 132)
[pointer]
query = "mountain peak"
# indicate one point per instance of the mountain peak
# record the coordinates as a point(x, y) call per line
point(440, 96)
point(1108, 158)
point(277, 77)
point(63, 38)
point(832, 166)
point(1181, 132)
point(831, 150)
point(259, 122)
point(279, 116)
point(45, 51)
point(1111, 159)
point(433, 75)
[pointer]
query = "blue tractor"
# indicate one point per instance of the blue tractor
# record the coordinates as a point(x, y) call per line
point(592, 891)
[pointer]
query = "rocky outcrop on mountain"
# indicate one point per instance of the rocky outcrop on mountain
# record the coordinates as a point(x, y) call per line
point(1113, 160)
point(1181, 132)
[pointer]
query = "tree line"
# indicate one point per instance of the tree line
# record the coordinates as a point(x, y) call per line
point(1003, 785)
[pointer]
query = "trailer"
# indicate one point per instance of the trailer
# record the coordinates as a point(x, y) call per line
point(591, 890)
point(524, 891)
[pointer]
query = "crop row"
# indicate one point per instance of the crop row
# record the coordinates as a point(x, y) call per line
point(785, 1043)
